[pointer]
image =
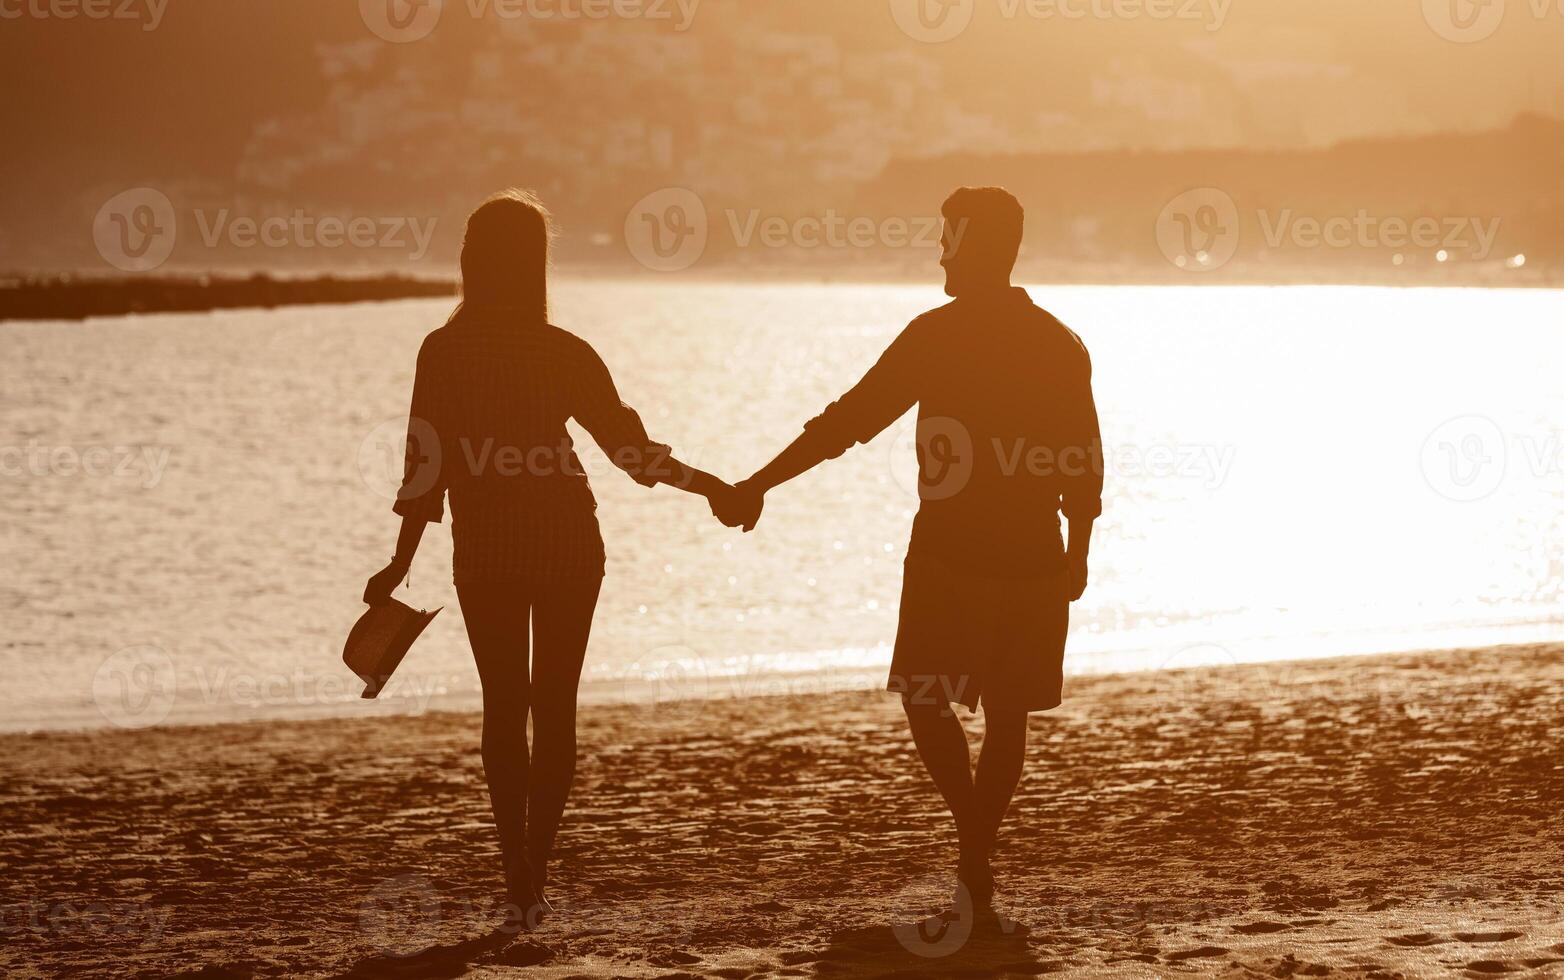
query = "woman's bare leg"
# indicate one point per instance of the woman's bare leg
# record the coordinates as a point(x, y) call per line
point(561, 627)
point(497, 629)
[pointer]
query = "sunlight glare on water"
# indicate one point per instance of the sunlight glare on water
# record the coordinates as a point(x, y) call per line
point(1292, 472)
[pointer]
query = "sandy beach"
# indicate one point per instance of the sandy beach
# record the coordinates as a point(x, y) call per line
point(1370, 817)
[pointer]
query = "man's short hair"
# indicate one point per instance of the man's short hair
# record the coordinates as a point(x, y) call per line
point(989, 221)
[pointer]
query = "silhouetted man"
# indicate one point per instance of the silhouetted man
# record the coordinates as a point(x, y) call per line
point(1007, 441)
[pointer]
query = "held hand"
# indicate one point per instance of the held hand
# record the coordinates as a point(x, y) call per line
point(752, 500)
point(384, 582)
point(737, 506)
point(1077, 575)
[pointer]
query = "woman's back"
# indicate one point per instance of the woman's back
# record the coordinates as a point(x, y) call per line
point(493, 393)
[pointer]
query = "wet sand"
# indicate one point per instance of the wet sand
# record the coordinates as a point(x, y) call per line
point(1376, 817)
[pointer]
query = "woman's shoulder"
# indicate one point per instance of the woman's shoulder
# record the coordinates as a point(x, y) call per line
point(572, 345)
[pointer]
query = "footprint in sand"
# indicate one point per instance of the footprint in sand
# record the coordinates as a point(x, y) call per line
point(1257, 928)
point(1417, 939)
point(1493, 966)
point(1487, 937)
point(1198, 953)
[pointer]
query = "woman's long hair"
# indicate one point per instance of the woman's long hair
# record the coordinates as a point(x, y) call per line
point(505, 256)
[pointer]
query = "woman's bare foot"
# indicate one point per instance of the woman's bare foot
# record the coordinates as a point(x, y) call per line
point(540, 883)
point(525, 906)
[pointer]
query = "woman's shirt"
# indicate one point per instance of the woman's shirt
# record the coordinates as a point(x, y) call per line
point(487, 427)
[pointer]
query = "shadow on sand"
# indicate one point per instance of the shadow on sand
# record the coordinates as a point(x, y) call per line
point(931, 949)
point(501, 947)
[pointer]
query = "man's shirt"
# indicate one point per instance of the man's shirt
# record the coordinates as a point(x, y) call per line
point(1008, 436)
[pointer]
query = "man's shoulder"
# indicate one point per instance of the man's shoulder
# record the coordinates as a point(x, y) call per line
point(1055, 328)
point(932, 321)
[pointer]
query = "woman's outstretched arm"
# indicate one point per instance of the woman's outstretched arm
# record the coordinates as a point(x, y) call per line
point(618, 430)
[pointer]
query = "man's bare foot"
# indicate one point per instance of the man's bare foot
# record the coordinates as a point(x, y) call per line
point(978, 879)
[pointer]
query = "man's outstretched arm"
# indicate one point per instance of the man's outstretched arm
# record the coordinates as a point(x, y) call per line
point(802, 455)
point(880, 398)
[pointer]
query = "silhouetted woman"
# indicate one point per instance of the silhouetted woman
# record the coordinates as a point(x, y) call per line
point(494, 388)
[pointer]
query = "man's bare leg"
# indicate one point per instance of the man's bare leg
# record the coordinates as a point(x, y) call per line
point(942, 744)
point(998, 773)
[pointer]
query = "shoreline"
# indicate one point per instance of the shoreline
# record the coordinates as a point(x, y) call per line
point(1409, 798)
point(863, 673)
point(83, 299)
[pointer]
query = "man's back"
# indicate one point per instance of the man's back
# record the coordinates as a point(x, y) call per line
point(1007, 431)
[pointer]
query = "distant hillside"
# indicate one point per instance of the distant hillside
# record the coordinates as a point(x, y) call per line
point(1494, 196)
